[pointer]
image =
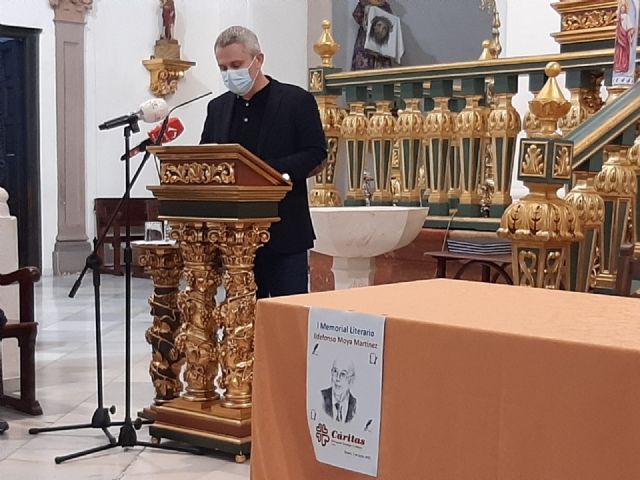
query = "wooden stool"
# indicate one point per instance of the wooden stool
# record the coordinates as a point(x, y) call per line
point(25, 332)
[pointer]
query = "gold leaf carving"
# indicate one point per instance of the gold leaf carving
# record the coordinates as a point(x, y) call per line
point(527, 261)
point(533, 163)
point(562, 162)
point(198, 173)
point(590, 19)
point(315, 82)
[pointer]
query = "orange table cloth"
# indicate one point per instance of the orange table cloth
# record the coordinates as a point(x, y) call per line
point(480, 382)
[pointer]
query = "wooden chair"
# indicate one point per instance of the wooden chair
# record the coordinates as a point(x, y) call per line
point(25, 332)
point(628, 270)
point(141, 210)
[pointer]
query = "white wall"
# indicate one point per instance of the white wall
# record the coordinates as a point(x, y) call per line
point(38, 14)
point(117, 82)
point(527, 28)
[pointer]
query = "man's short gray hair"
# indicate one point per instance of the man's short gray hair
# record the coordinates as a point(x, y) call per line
point(241, 35)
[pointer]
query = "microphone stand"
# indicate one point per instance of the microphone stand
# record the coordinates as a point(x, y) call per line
point(101, 419)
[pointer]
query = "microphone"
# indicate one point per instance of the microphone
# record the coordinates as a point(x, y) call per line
point(165, 122)
point(150, 111)
point(173, 130)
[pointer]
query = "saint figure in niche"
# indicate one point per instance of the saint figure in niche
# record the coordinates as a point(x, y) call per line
point(364, 59)
point(625, 34)
point(168, 19)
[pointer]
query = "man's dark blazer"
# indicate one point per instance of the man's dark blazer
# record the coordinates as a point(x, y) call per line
point(292, 141)
point(327, 403)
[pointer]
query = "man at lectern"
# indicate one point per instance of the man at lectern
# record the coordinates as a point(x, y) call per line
point(279, 123)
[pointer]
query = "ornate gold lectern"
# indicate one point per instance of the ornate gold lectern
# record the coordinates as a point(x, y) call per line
point(219, 201)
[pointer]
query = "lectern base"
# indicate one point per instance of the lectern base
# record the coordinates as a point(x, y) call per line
point(204, 424)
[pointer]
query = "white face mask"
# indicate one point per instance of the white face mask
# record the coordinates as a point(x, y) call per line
point(239, 81)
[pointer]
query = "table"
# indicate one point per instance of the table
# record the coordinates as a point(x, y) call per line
point(481, 382)
point(499, 263)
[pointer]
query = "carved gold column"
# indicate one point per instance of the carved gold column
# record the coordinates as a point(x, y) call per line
point(381, 132)
point(503, 125)
point(541, 225)
point(396, 173)
point(354, 131)
point(324, 192)
point(238, 242)
point(162, 260)
point(437, 131)
point(196, 338)
point(454, 167)
point(590, 210)
point(408, 129)
point(531, 124)
point(585, 98)
point(471, 127)
point(634, 160)
point(617, 185)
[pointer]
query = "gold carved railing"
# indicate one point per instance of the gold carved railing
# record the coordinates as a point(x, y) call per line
point(455, 125)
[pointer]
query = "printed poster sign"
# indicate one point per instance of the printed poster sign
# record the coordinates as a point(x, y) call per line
point(344, 387)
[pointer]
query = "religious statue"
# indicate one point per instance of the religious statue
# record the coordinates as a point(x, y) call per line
point(624, 57)
point(364, 59)
point(625, 31)
point(168, 19)
point(167, 47)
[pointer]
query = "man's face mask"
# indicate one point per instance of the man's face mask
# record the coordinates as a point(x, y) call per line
point(239, 81)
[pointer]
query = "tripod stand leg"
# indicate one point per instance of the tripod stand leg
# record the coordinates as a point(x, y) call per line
point(112, 439)
point(169, 447)
point(82, 453)
point(35, 431)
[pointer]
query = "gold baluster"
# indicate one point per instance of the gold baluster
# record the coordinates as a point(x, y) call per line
point(354, 130)
point(503, 124)
point(590, 210)
point(437, 131)
point(634, 160)
point(381, 132)
point(616, 183)
point(541, 225)
point(471, 128)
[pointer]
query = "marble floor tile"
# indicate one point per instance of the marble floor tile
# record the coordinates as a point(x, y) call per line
point(66, 369)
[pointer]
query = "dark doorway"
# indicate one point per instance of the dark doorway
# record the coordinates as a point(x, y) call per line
point(20, 137)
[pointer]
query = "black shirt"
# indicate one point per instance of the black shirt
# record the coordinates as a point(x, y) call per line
point(246, 119)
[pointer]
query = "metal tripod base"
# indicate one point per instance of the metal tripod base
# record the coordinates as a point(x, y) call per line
point(126, 439)
point(100, 419)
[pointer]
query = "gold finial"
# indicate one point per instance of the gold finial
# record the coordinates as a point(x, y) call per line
point(326, 46)
point(550, 104)
point(487, 53)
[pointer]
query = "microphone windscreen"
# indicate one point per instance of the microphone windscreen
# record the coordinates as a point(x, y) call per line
point(174, 129)
point(154, 110)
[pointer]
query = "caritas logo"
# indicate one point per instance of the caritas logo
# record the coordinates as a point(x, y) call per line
point(322, 434)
